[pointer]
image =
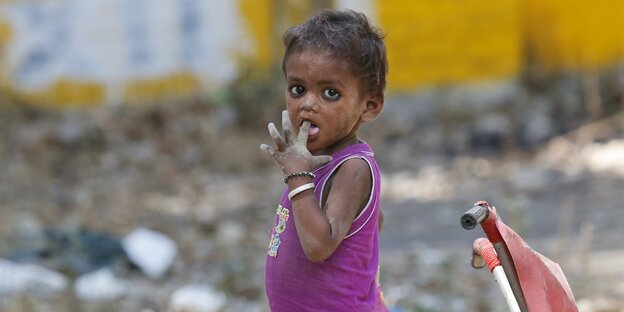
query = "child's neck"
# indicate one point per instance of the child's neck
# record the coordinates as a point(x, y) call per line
point(338, 146)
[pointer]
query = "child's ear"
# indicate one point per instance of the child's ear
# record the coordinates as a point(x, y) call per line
point(374, 106)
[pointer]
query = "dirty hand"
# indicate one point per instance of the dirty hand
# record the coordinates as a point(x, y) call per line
point(292, 155)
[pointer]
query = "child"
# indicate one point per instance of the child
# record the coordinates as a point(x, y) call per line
point(324, 247)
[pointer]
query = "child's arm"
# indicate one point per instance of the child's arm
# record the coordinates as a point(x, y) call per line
point(320, 230)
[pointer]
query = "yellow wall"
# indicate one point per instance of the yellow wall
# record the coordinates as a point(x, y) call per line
point(259, 19)
point(434, 42)
point(266, 20)
point(575, 34)
point(5, 32)
point(70, 92)
point(450, 41)
point(66, 92)
point(175, 85)
point(430, 42)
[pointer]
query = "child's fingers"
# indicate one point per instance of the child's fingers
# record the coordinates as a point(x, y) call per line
point(303, 132)
point(267, 149)
point(277, 138)
point(287, 126)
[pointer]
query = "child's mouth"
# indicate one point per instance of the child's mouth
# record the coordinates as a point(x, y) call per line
point(314, 130)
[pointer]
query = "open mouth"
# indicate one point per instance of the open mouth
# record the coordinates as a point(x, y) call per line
point(314, 129)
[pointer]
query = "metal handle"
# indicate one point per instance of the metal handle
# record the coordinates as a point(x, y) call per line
point(480, 214)
point(471, 218)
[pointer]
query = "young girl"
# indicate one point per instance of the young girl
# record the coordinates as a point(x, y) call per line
point(324, 246)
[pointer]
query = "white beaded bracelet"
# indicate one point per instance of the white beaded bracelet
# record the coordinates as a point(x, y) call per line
point(300, 189)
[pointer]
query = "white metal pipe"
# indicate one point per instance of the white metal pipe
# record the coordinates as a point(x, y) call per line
point(503, 283)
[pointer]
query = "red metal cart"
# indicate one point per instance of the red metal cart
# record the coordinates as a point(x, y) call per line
point(536, 283)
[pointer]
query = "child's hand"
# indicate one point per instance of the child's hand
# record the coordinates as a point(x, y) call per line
point(292, 155)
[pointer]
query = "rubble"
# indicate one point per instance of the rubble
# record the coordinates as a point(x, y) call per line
point(76, 184)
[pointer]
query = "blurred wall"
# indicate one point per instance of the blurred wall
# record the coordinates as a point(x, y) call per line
point(579, 34)
point(77, 52)
point(434, 42)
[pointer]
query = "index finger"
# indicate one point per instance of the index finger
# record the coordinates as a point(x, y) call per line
point(304, 131)
point(287, 126)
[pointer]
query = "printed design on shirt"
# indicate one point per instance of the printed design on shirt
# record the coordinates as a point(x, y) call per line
point(274, 245)
point(282, 216)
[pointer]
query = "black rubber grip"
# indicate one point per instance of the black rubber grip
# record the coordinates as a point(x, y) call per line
point(471, 218)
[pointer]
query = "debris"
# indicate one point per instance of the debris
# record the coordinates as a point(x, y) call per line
point(101, 285)
point(151, 251)
point(196, 298)
point(29, 278)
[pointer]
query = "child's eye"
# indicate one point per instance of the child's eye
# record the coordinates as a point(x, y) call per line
point(331, 94)
point(296, 90)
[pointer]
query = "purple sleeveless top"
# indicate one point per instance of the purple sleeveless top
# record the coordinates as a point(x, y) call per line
point(346, 280)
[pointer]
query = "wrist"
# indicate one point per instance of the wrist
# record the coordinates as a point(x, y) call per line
point(300, 189)
point(297, 175)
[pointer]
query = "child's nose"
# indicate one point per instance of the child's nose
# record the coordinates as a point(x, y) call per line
point(308, 102)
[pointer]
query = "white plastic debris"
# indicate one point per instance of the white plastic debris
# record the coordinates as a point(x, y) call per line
point(16, 278)
point(196, 298)
point(151, 251)
point(604, 157)
point(100, 285)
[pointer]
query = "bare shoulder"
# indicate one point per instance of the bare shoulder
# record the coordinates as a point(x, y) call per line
point(352, 183)
point(355, 170)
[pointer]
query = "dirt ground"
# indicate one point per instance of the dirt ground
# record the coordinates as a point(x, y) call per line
point(187, 171)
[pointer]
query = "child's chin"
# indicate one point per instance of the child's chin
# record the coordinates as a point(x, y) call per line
point(314, 150)
point(312, 137)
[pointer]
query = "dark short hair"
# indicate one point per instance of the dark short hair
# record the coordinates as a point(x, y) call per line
point(347, 35)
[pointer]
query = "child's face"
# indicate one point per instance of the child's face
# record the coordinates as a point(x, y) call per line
point(325, 91)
